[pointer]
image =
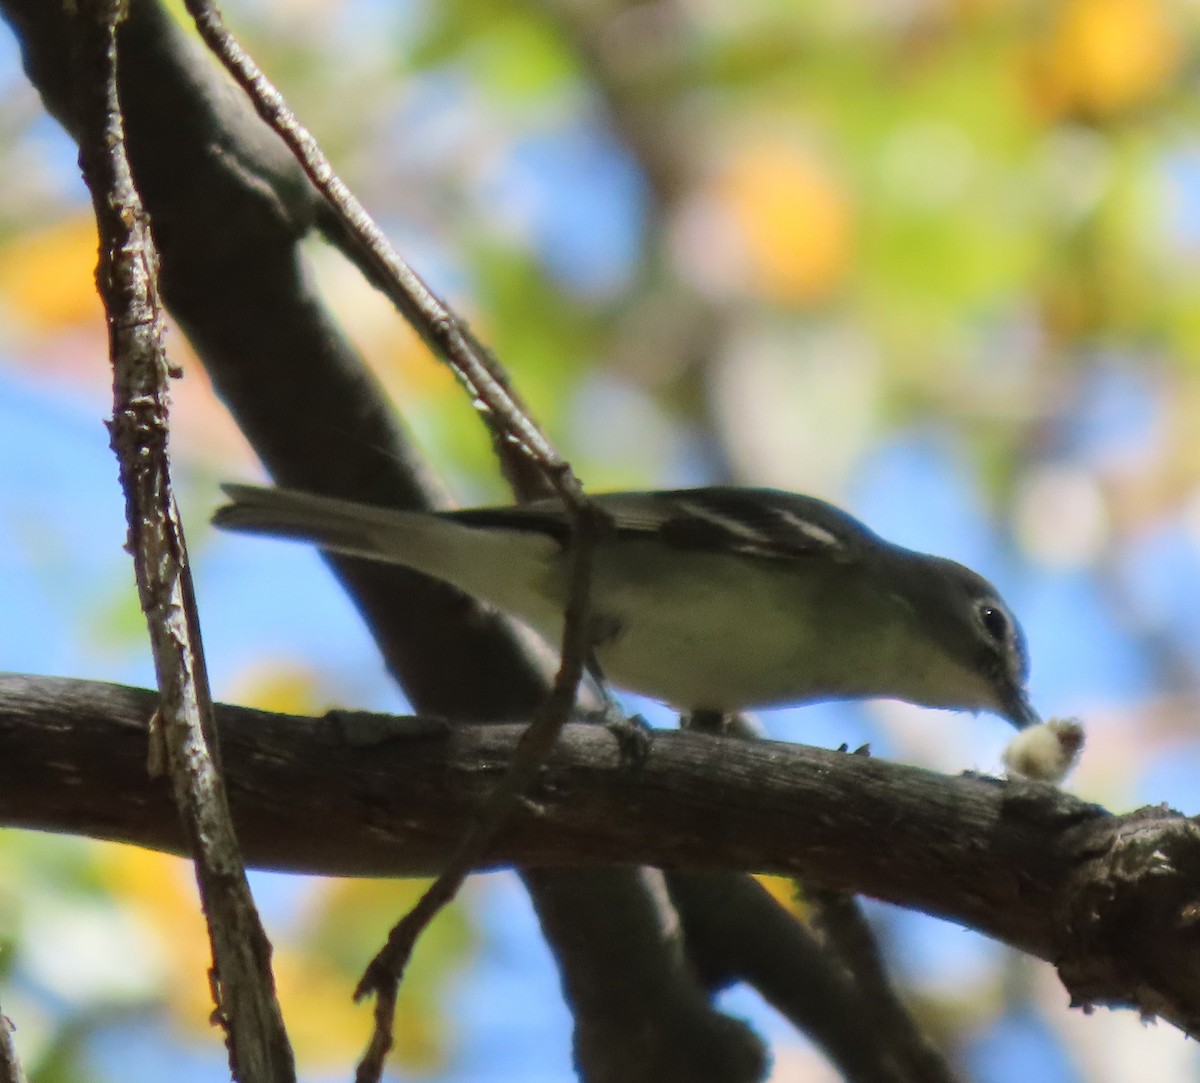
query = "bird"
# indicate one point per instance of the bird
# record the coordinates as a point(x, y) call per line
point(712, 600)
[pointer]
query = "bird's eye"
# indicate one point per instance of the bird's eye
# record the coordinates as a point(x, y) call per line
point(994, 622)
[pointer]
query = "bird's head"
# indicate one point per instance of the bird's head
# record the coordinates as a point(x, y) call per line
point(974, 645)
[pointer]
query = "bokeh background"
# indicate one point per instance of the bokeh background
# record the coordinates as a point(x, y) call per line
point(935, 260)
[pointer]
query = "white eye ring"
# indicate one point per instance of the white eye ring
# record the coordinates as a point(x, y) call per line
point(995, 622)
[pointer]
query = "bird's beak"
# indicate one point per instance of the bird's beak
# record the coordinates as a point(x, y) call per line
point(1019, 711)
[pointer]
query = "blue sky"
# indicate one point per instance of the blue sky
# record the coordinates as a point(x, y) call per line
point(66, 589)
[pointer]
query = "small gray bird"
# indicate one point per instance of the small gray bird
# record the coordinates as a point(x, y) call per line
point(712, 600)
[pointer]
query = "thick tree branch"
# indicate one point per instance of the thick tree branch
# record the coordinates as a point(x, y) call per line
point(1109, 899)
point(839, 918)
point(712, 1045)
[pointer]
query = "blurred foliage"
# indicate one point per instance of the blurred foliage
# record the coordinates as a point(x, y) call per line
point(760, 240)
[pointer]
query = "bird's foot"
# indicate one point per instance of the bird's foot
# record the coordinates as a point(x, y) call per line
point(634, 738)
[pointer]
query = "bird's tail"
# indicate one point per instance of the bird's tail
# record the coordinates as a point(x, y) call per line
point(494, 564)
point(343, 526)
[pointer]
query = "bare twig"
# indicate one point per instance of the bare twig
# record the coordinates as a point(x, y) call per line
point(840, 919)
point(490, 390)
point(10, 1064)
point(445, 333)
point(383, 974)
point(126, 277)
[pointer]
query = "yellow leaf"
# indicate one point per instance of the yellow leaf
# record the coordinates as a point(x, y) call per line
point(280, 685)
point(160, 889)
point(47, 277)
point(344, 924)
point(326, 1027)
point(1103, 56)
point(794, 220)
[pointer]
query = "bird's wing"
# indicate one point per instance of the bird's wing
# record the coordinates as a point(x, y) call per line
point(765, 523)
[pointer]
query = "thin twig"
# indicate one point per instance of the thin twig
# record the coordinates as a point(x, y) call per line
point(126, 278)
point(839, 918)
point(488, 384)
point(445, 333)
point(535, 746)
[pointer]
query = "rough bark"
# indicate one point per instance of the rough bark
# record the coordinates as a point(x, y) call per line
point(1110, 900)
